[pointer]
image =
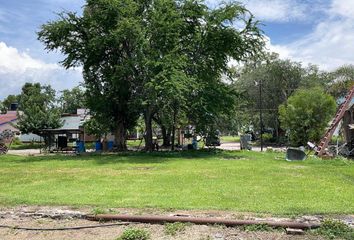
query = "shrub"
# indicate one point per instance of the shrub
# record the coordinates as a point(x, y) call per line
point(134, 234)
point(333, 229)
point(267, 137)
point(306, 115)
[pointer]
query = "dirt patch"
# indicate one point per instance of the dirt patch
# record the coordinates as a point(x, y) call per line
point(61, 217)
point(107, 233)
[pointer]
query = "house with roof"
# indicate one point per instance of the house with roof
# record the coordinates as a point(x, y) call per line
point(8, 122)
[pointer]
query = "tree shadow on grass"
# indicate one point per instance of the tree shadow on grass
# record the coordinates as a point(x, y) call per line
point(132, 157)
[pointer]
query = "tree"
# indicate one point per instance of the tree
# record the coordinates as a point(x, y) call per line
point(278, 79)
point(96, 128)
point(140, 55)
point(191, 46)
point(71, 100)
point(306, 115)
point(342, 81)
point(107, 41)
point(37, 109)
point(6, 104)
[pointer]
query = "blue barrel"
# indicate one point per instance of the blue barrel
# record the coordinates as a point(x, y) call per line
point(110, 145)
point(98, 146)
point(80, 147)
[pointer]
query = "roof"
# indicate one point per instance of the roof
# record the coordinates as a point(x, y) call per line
point(71, 124)
point(9, 117)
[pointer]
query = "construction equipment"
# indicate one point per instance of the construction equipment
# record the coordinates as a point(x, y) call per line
point(321, 149)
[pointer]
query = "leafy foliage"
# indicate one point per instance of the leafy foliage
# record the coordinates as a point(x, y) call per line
point(6, 103)
point(96, 128)
point(333, 229)
point(37, 109)
point(174, 228)
point(342, 81)
point(71, 100)
point(134, 234)
point(306, 115)
point(148, 57)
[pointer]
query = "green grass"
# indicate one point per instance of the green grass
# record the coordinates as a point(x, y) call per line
point(23, 146)
point(136, 143)
point(240, 181)
point(226, 139)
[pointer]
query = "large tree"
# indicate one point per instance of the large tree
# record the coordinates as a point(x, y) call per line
point(277, 79)
point(37, 109)
point(140, 55)
point(191, 46)
point(107, 41)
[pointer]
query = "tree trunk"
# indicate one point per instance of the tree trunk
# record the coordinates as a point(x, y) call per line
point(173, 137)
point(174, 130)
point(166, 136)
point(148, 134)
point(120, 136)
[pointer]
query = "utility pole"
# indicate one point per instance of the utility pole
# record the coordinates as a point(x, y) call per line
point(261, 113)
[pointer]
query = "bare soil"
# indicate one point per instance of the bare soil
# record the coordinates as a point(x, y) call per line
point(55, 217)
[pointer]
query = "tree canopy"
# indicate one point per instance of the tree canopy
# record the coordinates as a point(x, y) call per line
point(71, 100)
point(37, 109)
point(149, 57)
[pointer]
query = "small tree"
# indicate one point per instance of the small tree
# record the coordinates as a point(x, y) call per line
point(306, 115)
point(37, 109)
point(6, 103)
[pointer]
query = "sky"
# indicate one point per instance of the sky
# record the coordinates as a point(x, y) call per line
point(320, 32)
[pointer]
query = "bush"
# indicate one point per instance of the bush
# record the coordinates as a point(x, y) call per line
point(306, 115)
point(134, 234)
point(267, 137)
point(333, 229)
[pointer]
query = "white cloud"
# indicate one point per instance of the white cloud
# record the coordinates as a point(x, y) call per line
point(278, 10)
point(11, 60)
point(330, 45)
point(17, 68)
point(343, 8)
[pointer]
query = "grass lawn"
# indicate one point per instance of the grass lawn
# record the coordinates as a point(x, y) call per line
point(240, 181)
point(226, 139)
point(23, 146)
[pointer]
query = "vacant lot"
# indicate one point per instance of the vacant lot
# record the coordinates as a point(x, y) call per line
point(239, 181)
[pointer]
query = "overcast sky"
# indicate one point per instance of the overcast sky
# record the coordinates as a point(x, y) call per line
point(310, 31)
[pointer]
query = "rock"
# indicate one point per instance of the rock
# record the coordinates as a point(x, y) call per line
point(218, 236)
point(294, 231)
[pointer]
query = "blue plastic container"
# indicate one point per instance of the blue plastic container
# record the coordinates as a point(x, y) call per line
point(110, 145)
point(98, 146)
point(80, 147)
